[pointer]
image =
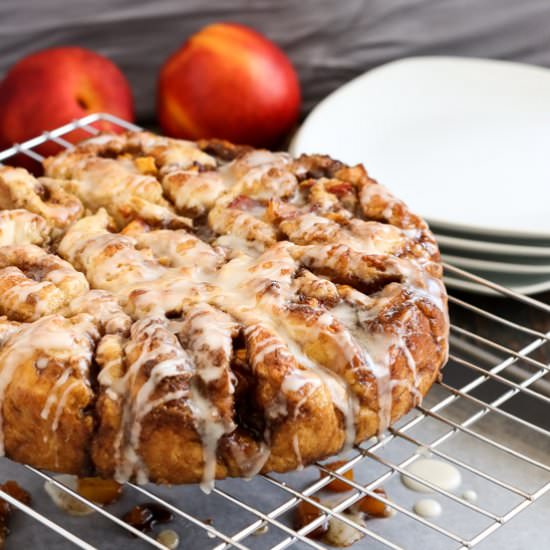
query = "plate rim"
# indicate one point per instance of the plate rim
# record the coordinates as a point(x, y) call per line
point(475, 245)
point(486, 232)
point(474, 264)
point(478, 288)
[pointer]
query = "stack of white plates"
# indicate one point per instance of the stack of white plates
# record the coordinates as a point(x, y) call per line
point(466, 143)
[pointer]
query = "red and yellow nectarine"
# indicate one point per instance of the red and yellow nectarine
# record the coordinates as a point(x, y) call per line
point(52, 87)
point(228, 81)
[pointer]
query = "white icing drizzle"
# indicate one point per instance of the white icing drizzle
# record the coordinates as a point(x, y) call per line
point(7, 328)
point(209, 342)
point(211, 430)
point(344, 400)
point(179, 249)
point(127, 265)
point(308, 222)
point(412, 367)
point(359, 235)
point(53, 395)
point(376, 349)
point(192, 191)
point(295, 379)
point(381, 347)
point(23, 288)
point(149, 339)
point(296, 448)
point(241, 223)
point(43, 285)
point(157, 345)
point(376, 193)
point(210, 333)
point(234, 243)
point(61, 403)
point(171, 154)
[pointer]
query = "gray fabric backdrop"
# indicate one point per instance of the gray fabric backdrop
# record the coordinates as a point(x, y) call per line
point(329, 41)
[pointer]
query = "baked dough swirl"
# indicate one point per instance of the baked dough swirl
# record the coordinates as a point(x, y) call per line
point(247, 312)
point(43, 196)
point(34, 283)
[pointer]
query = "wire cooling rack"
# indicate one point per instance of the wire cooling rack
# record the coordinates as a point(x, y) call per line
point(488, 417)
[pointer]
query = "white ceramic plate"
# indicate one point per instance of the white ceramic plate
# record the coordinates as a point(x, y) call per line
point(493, 248)
point(465, 142)
point(474, 264)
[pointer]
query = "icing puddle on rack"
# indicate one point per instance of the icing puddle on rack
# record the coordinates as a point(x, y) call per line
point(427, 508)
point(438, 473)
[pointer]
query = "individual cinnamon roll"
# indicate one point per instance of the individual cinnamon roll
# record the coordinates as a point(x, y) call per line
point(46, 394)
point(104, 308)
point(261, 175)
point(20, 226)
point(149, 413)
point(288, 402)
point(43, 196)
point(34, 283)
point(238, 219)
point(193, 192)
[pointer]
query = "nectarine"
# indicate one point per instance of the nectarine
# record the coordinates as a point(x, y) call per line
point(52, 87)
point(228, 81)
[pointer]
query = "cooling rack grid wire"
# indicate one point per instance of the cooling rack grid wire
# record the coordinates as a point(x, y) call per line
point(487, 417)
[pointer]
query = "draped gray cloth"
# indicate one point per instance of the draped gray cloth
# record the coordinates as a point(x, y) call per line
point(329, 41)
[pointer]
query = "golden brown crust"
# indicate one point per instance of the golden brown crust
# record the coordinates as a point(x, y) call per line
point(46, 417)
point(298, 311)
point(134, 437)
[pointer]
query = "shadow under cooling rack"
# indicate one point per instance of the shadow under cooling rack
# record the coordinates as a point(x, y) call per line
point(488, 417)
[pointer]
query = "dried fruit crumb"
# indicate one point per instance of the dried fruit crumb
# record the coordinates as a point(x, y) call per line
point(337, 485)
point(145, 516)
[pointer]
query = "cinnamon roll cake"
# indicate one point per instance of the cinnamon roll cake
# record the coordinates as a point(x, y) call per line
point(181, 312)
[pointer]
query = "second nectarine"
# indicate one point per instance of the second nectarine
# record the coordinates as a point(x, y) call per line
point(228, 81)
